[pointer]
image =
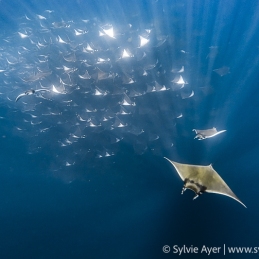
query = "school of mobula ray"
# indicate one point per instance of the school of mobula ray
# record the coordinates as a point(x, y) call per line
point(90, 86)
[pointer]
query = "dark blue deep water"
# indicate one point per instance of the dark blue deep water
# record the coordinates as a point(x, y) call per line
point(82, 173)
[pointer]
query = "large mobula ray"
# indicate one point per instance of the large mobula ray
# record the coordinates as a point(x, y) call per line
point(202, 179)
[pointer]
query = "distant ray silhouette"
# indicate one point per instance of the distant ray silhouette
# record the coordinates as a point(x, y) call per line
point(222, 71)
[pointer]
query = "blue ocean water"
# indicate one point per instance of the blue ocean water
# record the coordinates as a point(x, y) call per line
point(82, 167)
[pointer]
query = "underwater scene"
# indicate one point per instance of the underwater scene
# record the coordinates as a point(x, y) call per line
point(110, 110)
